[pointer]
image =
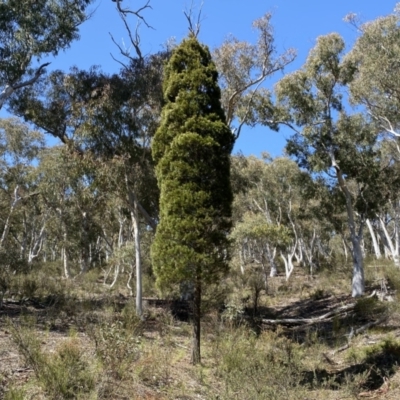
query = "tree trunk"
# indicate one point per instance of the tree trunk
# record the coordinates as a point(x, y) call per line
point(67, 272)
point(289, 267)
point(309, 252)
point(8, 222)
point(196, 357)
point(358, 285)
point(9, 88)
point(138, 259)
point(375, 244)
point(390, 245)
point(358, 269)
point(271, 258)
point(265, 273)
point(116, 275)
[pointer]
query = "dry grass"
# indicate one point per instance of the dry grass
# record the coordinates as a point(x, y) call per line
point(78, 340)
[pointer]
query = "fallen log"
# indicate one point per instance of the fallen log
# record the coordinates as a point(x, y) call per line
point(308, 321)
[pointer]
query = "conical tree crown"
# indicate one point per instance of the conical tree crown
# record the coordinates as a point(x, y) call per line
point(192, 150)
point(193, 98)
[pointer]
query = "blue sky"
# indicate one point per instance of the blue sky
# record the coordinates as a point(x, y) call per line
point(297, 24)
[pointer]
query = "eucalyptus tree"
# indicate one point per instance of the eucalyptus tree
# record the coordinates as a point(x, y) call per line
point(243, 69)
point(19, 148)
point(328, 142)
point(277, 194)
point(31, 30)
point(384, 226)
point(262, 198)
point(191, 150)
point(257, 242)
point(110, 121)
point(375, 60)
point(69, 193)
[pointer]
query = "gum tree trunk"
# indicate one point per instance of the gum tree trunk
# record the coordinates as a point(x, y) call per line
point(375, 244)
point(358, 285)
point(138, 259)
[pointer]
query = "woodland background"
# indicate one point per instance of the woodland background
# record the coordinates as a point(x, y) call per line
point(315, 232)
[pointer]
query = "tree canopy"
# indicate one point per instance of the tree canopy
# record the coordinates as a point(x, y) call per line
point(31, 30)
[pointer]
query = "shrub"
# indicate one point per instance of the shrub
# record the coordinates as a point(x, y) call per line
point(264, 367)
point(66, 374)
point(369, 308)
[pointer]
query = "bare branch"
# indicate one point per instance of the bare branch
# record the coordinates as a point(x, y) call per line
point(194, 26)
point(11, 88)
point(244, 67)
point(125, 53)
point(134, 37)
point(125, 11)
point(119, 62)
point(248, 107)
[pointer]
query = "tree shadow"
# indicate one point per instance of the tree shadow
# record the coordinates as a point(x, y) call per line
point(373, 370)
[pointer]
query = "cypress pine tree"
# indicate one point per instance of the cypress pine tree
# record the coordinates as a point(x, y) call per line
point(192, 150)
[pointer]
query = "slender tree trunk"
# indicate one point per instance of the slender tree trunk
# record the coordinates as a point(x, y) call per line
point(84, 253)
point(390, 245)
point(116, 274)
point(67, 272)
point(345, 250)
point(289, 267)
point(310, 252)
point(137, 208)
point(358, 285)
point(271, 258)
point(274, 271)
point(8, 220)
point(241, 261)
point(375, 244)
point(138, 259)
point(265, 272)
point(396, 234)
point(196, 357)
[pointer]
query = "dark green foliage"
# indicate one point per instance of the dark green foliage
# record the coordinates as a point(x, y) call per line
point(32, 29)
point(191, 149)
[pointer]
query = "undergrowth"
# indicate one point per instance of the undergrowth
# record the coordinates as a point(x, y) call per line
point(95, 346)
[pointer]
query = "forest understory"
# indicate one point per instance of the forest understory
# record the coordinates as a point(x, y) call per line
point(306, 339)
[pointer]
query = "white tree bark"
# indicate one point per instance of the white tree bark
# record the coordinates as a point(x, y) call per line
point(36, 245)
point(6, 228)
point(138, 258)
point(288, 260)
point(375, 244)
point(394, 251)
point(9, 89)
point(358, 285)
point(309, 252)
point(117, 266)
point(271, 258)
point(67, 271)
